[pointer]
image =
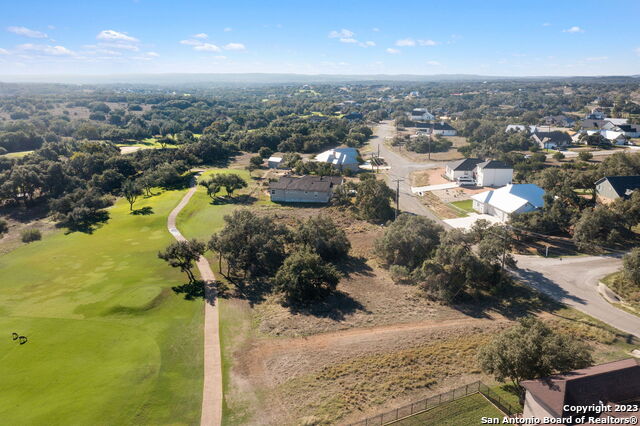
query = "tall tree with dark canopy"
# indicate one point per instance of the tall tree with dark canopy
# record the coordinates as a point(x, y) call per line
point(251, 243)
point(531, 350)
point(131, 191)
point(408, 241)
point(321, 235)
point(183, 254)
point(305, 277)
point(373, 200)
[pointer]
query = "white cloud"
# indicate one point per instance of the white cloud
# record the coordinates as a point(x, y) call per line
point(115, 35)
point(409, 42)
point(368, 43)
point(47, 50)
point(153, 54)
point(191, 42)
point(434, 63)
point(574, 29)
point(406, 42)
point(348, 40)
point(228, 29)
point(597, 58)
point(3, 51)
point(546, 24)
point(201, 35)
point(123, 46)
point(392, 51)
point(375, 29)
point(221, 57)
point(206, 47)
point(637, 50)
point(234, 46)
point(26, 32)
point(427, 42)
point(343, 33)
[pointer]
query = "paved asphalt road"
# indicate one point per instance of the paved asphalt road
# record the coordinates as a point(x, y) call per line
point(401, 167)
point(574, 281)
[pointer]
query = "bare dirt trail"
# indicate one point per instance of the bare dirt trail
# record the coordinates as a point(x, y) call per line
point(212, 389)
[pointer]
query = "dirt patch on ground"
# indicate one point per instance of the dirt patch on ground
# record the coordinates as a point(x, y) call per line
point(428, 177)
point(20, 219)
point(340, 376)
point(440, 208)
point(450, 155)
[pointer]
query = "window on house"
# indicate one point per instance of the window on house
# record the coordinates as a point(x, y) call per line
point(273, 191)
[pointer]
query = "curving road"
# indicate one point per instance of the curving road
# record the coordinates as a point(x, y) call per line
point(574, 281)
point(212, 389)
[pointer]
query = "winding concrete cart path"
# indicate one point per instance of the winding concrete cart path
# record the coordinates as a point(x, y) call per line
point(212, 389)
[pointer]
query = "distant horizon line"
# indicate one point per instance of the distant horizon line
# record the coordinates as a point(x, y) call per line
point(156, 78)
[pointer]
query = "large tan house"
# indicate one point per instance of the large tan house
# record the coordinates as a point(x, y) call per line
point(304, 189)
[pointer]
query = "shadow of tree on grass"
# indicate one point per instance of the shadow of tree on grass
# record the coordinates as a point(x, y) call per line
point(144, 211)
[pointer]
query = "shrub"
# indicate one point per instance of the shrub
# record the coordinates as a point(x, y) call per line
point(30, 235)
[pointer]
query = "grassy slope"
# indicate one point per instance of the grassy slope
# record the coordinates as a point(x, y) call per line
point(464, 411)
point(109, 341)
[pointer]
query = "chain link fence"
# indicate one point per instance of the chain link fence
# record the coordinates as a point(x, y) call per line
point(436, 400)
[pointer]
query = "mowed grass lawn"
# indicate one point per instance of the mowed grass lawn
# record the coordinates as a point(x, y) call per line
point(464, 205)
point(201, 217)
point(109, 341)
point(465, 411)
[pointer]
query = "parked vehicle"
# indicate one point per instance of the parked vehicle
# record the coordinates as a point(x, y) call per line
point(466, 181)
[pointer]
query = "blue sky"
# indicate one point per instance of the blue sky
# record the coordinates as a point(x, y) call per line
point(519, 38)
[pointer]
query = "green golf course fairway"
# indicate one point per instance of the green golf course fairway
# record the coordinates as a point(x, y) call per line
point(200, 218)
point(109, 342)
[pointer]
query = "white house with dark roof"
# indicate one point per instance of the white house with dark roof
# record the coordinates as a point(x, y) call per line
point(551, 140)
point(493, 173)
point(510, 199)
point(460, 168)
point(421, 114)
point(443, 129)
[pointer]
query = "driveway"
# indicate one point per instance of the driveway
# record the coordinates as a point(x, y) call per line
point(574, 281)
point(401, 167)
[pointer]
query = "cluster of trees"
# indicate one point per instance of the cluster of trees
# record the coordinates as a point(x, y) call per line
point(570, 206)
point(627, 282)
point(300, 261)
point(446, 265)
point(77, 180)
point(372, 200)
point(229, 181)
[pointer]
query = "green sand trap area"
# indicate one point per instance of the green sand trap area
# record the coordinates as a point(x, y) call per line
point(109, 341)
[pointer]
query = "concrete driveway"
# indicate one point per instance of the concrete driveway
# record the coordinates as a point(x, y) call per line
point(401, 167)
point(574, 281)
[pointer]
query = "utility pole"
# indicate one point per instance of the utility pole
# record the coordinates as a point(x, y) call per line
point(397, 181)
point(504, 252)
